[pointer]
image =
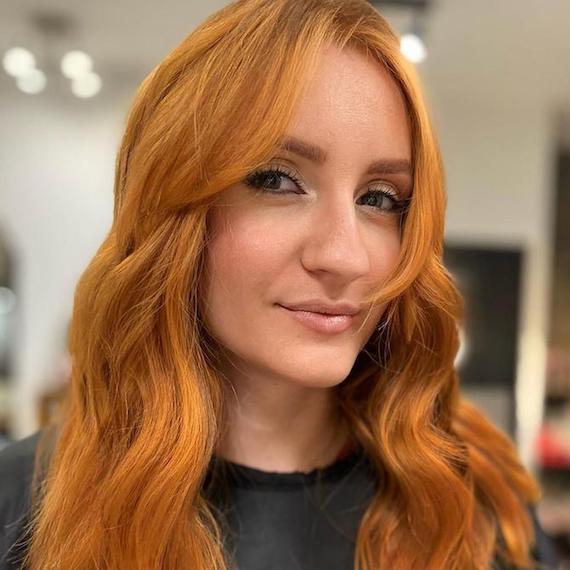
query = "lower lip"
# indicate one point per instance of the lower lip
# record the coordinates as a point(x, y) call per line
point(329, 324)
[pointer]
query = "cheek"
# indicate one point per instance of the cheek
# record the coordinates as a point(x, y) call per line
point(243, 258)
point(243, 247)
point(384, 253)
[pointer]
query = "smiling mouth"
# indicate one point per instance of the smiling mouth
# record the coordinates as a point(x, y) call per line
point(321, 322)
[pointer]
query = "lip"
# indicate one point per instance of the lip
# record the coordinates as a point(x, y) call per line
point(327, 324)
point(316, 306)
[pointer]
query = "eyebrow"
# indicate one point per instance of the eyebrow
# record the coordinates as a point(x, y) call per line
point(319, 156)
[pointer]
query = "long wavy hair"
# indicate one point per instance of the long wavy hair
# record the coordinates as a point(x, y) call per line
point(124, 486)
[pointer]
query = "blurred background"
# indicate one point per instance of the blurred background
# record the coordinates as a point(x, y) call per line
point(497, 78)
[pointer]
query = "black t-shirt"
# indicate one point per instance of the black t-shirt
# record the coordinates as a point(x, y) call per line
point(286, 521)
point(271, 521)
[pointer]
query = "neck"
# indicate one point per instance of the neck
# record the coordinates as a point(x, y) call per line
point(278, 426)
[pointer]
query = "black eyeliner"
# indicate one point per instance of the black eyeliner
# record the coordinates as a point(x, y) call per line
point(255, 179)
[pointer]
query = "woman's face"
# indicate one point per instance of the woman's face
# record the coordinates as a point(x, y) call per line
point(318, 224)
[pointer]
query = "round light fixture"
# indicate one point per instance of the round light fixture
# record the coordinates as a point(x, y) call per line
point(86, 86)
point(413, 48)
point(18, 61)
point(33, 82)
point(75, 64)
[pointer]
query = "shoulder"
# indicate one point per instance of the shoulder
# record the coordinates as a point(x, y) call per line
point(16, 469)
point(18, 456)
point(16, 473)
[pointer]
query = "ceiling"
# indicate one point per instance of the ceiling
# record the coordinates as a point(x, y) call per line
point(512, 52)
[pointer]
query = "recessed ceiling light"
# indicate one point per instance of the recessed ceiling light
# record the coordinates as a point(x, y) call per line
point(18, 61)
point(86, 86)
point(413, 48)
point(75, 64)
point(33, 82)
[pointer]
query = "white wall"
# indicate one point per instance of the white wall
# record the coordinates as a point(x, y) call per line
point(56, 178)
point(500, 160)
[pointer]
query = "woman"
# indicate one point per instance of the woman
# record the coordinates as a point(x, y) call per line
point(277, 167)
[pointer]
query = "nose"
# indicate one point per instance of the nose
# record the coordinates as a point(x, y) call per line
point(334, 244)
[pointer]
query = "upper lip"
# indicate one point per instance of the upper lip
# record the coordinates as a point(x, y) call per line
point(316, 306)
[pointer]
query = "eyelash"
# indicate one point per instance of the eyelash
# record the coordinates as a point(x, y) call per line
point(256, 181)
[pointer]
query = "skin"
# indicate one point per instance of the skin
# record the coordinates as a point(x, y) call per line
point(320, 242)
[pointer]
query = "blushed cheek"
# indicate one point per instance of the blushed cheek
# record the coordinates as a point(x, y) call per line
point(384, 255)
point(241, 254)
point(241, 257)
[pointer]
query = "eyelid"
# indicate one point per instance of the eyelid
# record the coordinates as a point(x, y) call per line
point(392, 188)
point(289, 169)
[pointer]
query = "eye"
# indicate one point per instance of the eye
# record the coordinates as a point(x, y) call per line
point(281, 180)
point(385, 200)
point(271, 180)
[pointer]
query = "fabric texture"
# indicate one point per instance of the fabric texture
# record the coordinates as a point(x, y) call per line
point(271, 521)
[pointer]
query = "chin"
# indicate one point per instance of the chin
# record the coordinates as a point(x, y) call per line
point(320, 377)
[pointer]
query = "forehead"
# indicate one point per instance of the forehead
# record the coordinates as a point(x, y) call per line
point(353, 100)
